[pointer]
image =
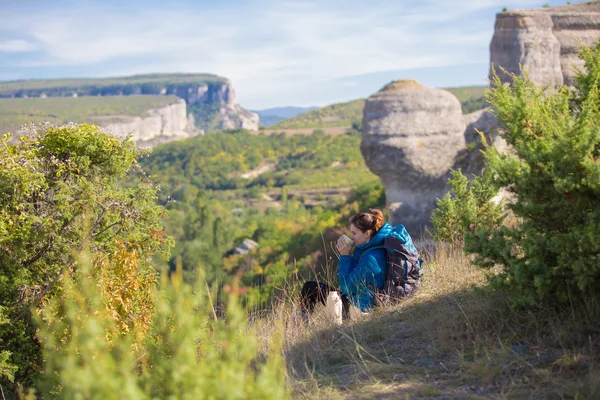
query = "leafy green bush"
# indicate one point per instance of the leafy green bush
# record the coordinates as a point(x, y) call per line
point(466, 208)
point(551, 252)
point(60, 189)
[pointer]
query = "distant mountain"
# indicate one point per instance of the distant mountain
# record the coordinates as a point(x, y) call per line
point(271, 116)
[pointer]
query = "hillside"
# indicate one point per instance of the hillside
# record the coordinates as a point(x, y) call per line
point(270, 188)
point(270, 116)
point(334, 115)
point(58, 110)
point(350, 113)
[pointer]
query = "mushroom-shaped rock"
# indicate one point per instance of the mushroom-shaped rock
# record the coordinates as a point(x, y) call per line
point(411, 136)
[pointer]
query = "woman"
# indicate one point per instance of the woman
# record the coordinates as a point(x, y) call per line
point(365, 270)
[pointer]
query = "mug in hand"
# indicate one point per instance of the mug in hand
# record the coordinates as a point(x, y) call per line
point(346, 239)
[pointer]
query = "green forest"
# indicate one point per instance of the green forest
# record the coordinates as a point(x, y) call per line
point(212, 207)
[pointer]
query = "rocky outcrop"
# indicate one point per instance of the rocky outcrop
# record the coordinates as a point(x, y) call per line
point(159, 125)
point(470, 159)
point(246, 247)
point(210, 97)
point(232, 116)
point(411, 137)
point(544, 41)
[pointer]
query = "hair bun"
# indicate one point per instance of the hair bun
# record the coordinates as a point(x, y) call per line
point(378, 219)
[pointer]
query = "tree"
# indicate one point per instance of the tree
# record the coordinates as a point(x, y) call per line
point(60, 191)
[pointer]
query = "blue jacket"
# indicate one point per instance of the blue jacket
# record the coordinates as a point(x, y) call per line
point(367, 267)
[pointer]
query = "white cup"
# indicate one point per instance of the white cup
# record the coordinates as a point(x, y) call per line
point(346, 239)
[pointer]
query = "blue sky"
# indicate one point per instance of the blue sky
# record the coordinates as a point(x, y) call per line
point(275, 52)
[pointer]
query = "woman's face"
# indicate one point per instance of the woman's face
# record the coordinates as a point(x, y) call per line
point(359, 236)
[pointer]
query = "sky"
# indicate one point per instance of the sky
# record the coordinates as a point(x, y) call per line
point(275, 52)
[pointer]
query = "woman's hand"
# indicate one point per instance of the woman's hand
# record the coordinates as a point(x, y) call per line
point(343, 247)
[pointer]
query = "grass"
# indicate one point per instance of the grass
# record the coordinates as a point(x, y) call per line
point(349, 113)
point(58, 110)
point(453, 339)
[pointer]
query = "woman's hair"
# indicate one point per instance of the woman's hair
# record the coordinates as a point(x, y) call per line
point(368, 221)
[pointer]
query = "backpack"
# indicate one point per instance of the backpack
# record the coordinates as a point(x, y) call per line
point(404, 272)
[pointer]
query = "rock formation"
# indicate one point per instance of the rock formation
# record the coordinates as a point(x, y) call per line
point(159, 125)
point(470, 160)
point(411, 137)
point(207, 95)
point(233, 116)
point(544, 41)
point(246, 247)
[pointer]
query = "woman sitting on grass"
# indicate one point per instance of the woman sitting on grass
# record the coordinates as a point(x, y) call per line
point(364, 272)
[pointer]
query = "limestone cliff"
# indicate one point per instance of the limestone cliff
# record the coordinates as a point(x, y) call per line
point(159, 125)
point(210, 98)
point(544, 41)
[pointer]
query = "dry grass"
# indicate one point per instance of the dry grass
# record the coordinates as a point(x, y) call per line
point(454, 339)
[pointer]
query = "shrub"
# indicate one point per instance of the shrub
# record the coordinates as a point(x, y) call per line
point(467, 208)
point(552, 253)
point(60, 189)
point(190, 352)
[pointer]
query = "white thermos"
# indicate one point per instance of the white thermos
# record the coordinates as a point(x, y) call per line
point(334, 308)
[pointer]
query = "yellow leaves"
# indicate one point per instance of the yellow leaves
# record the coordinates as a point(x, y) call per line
point(288, 225)
point(127, 288)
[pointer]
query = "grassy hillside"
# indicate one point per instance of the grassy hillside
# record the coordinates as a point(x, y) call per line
point(454, 339)
point(350, 113)
point(219, 161)
point(339, 114)
point(470, 97)
point(34, 84)
point(58, 110)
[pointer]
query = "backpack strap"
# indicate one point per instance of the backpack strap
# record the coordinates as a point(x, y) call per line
point(369, 249)
point(373, 288)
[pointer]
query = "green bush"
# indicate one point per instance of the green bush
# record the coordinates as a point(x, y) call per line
point(60, 189)
point(466, 208)
point(551, 252)
point(190, 352)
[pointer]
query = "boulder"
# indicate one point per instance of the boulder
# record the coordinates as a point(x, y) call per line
point(411, 137)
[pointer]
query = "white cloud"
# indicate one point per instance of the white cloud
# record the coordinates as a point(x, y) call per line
point(17, 46)
point(270, 48)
